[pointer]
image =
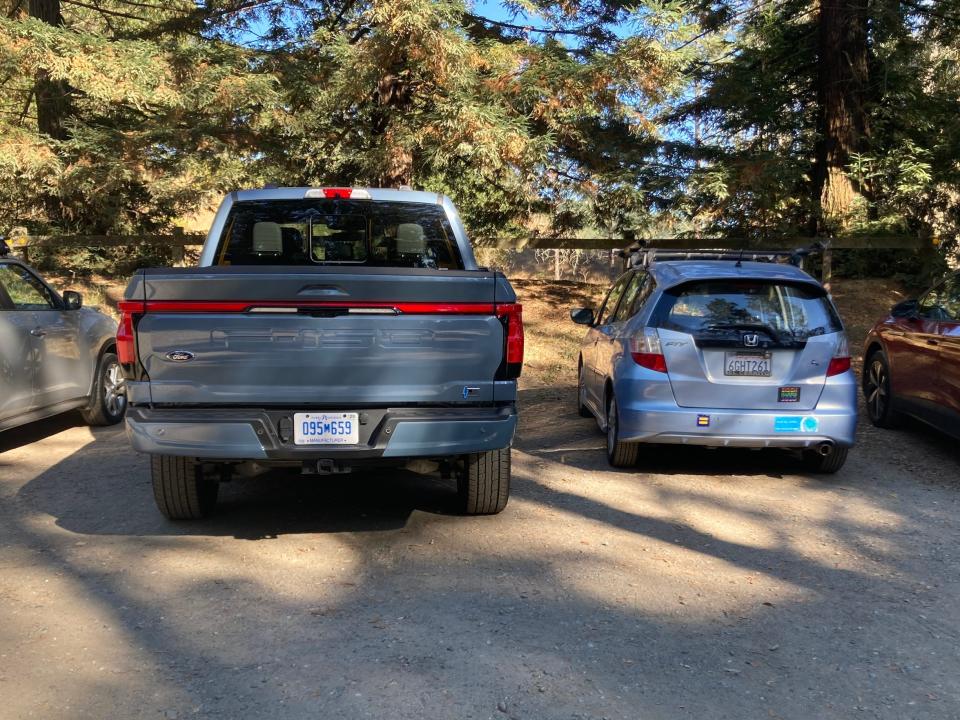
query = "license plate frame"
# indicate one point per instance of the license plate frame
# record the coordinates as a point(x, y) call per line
point(763, 357)
point(335, 429)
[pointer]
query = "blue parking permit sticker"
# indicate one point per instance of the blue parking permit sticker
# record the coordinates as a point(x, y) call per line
point(790, 423)
point(795, 423)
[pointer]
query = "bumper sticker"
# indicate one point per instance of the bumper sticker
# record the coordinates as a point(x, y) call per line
point(703, 421)
point(796, 423)
point(788, 394)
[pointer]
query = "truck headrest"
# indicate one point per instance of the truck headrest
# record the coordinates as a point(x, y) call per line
point(267, 238)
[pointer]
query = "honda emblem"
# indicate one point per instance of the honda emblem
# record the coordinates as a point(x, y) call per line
point(751, 340)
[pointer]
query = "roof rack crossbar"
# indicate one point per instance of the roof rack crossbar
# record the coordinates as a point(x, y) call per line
point(637, 255)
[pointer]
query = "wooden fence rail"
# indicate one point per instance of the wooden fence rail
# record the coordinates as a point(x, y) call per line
point(180, 240)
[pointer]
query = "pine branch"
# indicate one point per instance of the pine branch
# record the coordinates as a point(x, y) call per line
point(585, 31)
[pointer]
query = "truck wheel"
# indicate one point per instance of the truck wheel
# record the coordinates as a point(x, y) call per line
point(180, 488)
point(620, 454)
point(108, 402)
point(825, 464)
point(483, 484)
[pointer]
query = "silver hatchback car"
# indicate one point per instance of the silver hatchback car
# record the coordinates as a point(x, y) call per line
point(720, 353)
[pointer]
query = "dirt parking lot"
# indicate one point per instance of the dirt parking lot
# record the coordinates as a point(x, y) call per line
point(705, 584)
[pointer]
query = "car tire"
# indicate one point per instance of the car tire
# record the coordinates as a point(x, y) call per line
point(181, 489)
point(108, 403)
point(825, 464)
point(620, 454)
point(582, 409)
point(876, 391)
point(483, 483)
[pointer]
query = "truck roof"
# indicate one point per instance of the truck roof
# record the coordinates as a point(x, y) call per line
point(298, 193)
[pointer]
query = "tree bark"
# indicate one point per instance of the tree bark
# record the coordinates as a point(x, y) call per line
point(842, 75)
point(52, 96)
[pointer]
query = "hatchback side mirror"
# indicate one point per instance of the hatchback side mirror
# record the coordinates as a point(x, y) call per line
point(72, 300)
point(582, 316)
point(905, 309)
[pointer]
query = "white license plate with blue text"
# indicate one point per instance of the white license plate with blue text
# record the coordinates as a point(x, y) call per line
point(326, 428)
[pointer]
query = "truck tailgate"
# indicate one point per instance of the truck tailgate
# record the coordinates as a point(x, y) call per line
point(327, 336)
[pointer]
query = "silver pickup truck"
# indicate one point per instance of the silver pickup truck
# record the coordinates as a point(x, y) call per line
point(325, 329)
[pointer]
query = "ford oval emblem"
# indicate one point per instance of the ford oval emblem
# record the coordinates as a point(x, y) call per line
point(179, 356)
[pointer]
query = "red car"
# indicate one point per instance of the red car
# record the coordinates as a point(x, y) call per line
point(912, 361)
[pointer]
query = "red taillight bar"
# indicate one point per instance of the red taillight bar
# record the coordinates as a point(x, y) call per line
point(240, 306)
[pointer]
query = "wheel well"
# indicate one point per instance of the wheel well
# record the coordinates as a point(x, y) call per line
point(873, 347)
point(607, 394)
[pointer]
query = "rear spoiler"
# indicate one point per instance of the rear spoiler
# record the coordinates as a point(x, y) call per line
point(639, 255)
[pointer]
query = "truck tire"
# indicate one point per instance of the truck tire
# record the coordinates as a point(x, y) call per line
point(108, 402)
point(483, 485)
point(180, 488)
point(620, 454)
point(825, 464)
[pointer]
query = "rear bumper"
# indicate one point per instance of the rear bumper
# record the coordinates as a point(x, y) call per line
point(652, 416)
point(244, 434)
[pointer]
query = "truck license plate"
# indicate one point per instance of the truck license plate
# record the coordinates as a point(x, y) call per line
point(756, 364)
point(326, 428)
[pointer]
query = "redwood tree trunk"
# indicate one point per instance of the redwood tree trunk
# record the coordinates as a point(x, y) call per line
point(842, 122)
point(52, 97)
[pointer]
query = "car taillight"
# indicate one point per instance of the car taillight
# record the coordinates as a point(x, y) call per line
point(511, 315)
point(840, 362)
point(126, 348)
point(646, 351)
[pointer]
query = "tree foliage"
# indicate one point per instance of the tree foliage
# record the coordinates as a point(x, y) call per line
point(744, 118)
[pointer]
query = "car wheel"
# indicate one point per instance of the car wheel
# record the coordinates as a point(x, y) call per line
point(620, 454)
point(876, 391)
point(582, 408)
point(483, 482)
point(109, 400)
point(181, 489)
point(826, 464)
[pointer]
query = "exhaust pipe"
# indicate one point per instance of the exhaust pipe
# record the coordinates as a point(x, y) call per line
point(825, 448)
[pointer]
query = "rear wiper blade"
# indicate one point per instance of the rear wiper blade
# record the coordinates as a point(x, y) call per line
point(769, 329)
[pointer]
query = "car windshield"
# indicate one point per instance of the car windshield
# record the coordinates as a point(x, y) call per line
point(785, 312)
point(327, 232)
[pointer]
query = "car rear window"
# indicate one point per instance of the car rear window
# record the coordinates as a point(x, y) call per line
point(793, 311)
point(329, 232)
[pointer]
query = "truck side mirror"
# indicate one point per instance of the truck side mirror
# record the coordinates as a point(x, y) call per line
point(582, 316)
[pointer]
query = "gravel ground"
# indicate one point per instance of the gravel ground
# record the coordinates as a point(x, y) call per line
point(719, 584)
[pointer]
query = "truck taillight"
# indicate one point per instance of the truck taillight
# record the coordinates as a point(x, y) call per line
point(840, 362)
point(126, 347)
point(511, 315)
point(646, 351)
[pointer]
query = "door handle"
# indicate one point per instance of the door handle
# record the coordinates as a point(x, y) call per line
point(38, 332)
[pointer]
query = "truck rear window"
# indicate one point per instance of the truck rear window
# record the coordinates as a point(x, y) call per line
point(329, 232)
point(715, 308)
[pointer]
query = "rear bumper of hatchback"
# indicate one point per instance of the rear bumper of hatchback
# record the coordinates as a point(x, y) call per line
point(654, 417)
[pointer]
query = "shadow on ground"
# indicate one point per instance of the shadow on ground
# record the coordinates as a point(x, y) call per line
point(715, 584)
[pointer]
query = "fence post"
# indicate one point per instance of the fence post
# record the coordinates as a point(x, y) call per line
point(556, 264)
point(826, 268)
point(178, 253)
